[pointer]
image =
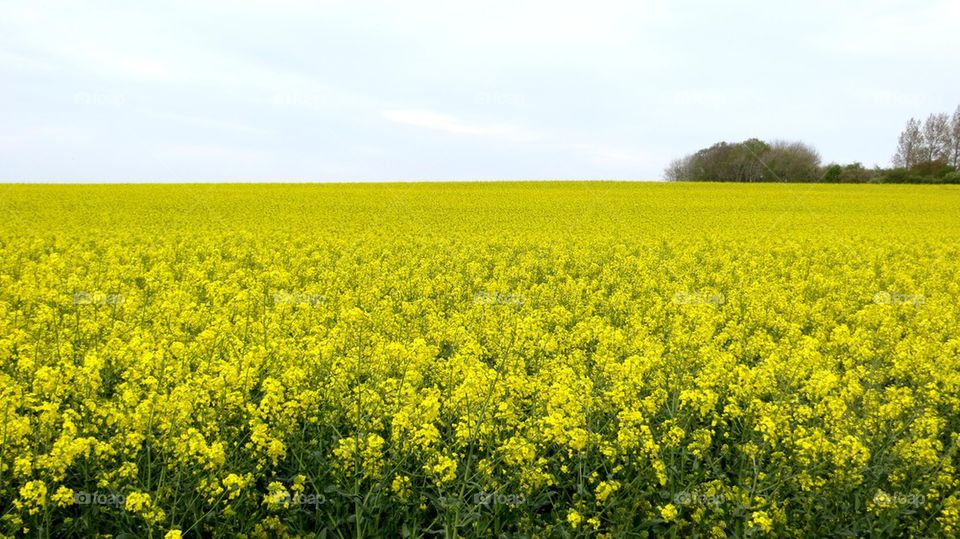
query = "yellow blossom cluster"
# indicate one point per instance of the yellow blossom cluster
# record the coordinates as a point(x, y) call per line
point(534, 359)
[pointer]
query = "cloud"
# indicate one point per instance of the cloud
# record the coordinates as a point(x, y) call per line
point(143, 68)
point(886, 97)
point(924, 30)
point(206, 123)
point(15, 60)
point(214, 152)
point(45, 135)
point(616, 157)
point(436, 121)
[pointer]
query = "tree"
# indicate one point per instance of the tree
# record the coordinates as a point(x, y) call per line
point(852, 173)
point(955, 139)
point(833, 173)
point(856, 173)
point(752, 160)
point(793, 161)
point(679, 169)
point(910, 146)
point(748, 162)
point(936, 138)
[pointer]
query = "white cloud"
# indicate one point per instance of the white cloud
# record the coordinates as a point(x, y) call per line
point(208, 152)
point(43, 135)
point(565, 23)
point(701, 97)
point(145, 68)
point(436, 121)
point(919, 32)
point(207, 123)
point(886, 97)
point(616, 157)
point(15, 60)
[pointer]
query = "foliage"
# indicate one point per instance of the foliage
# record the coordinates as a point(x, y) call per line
point(749, 161)
point(927, 152)
point(852, 173)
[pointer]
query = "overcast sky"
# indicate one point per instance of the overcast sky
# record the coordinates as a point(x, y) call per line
point(361, 91)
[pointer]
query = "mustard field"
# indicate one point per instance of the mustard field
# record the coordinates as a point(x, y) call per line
point(479, 360)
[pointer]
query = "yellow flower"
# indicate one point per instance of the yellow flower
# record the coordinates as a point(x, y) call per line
point(605, 489)
point(444, 469)
point(34, 495)
point(669, 512)
point(762, 520)
point(63, 497)
point(142, 504)
point(574, 519)
point(370, 450)
point(234, 483)
point(401, 486)
point(277, 496)
point(137, 501)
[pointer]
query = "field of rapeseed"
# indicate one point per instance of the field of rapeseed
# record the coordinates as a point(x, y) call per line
point(533, 360)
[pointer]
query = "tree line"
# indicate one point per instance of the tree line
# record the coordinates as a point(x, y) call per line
point(927, 152)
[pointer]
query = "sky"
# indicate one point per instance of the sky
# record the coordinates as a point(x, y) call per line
point(326, 91)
